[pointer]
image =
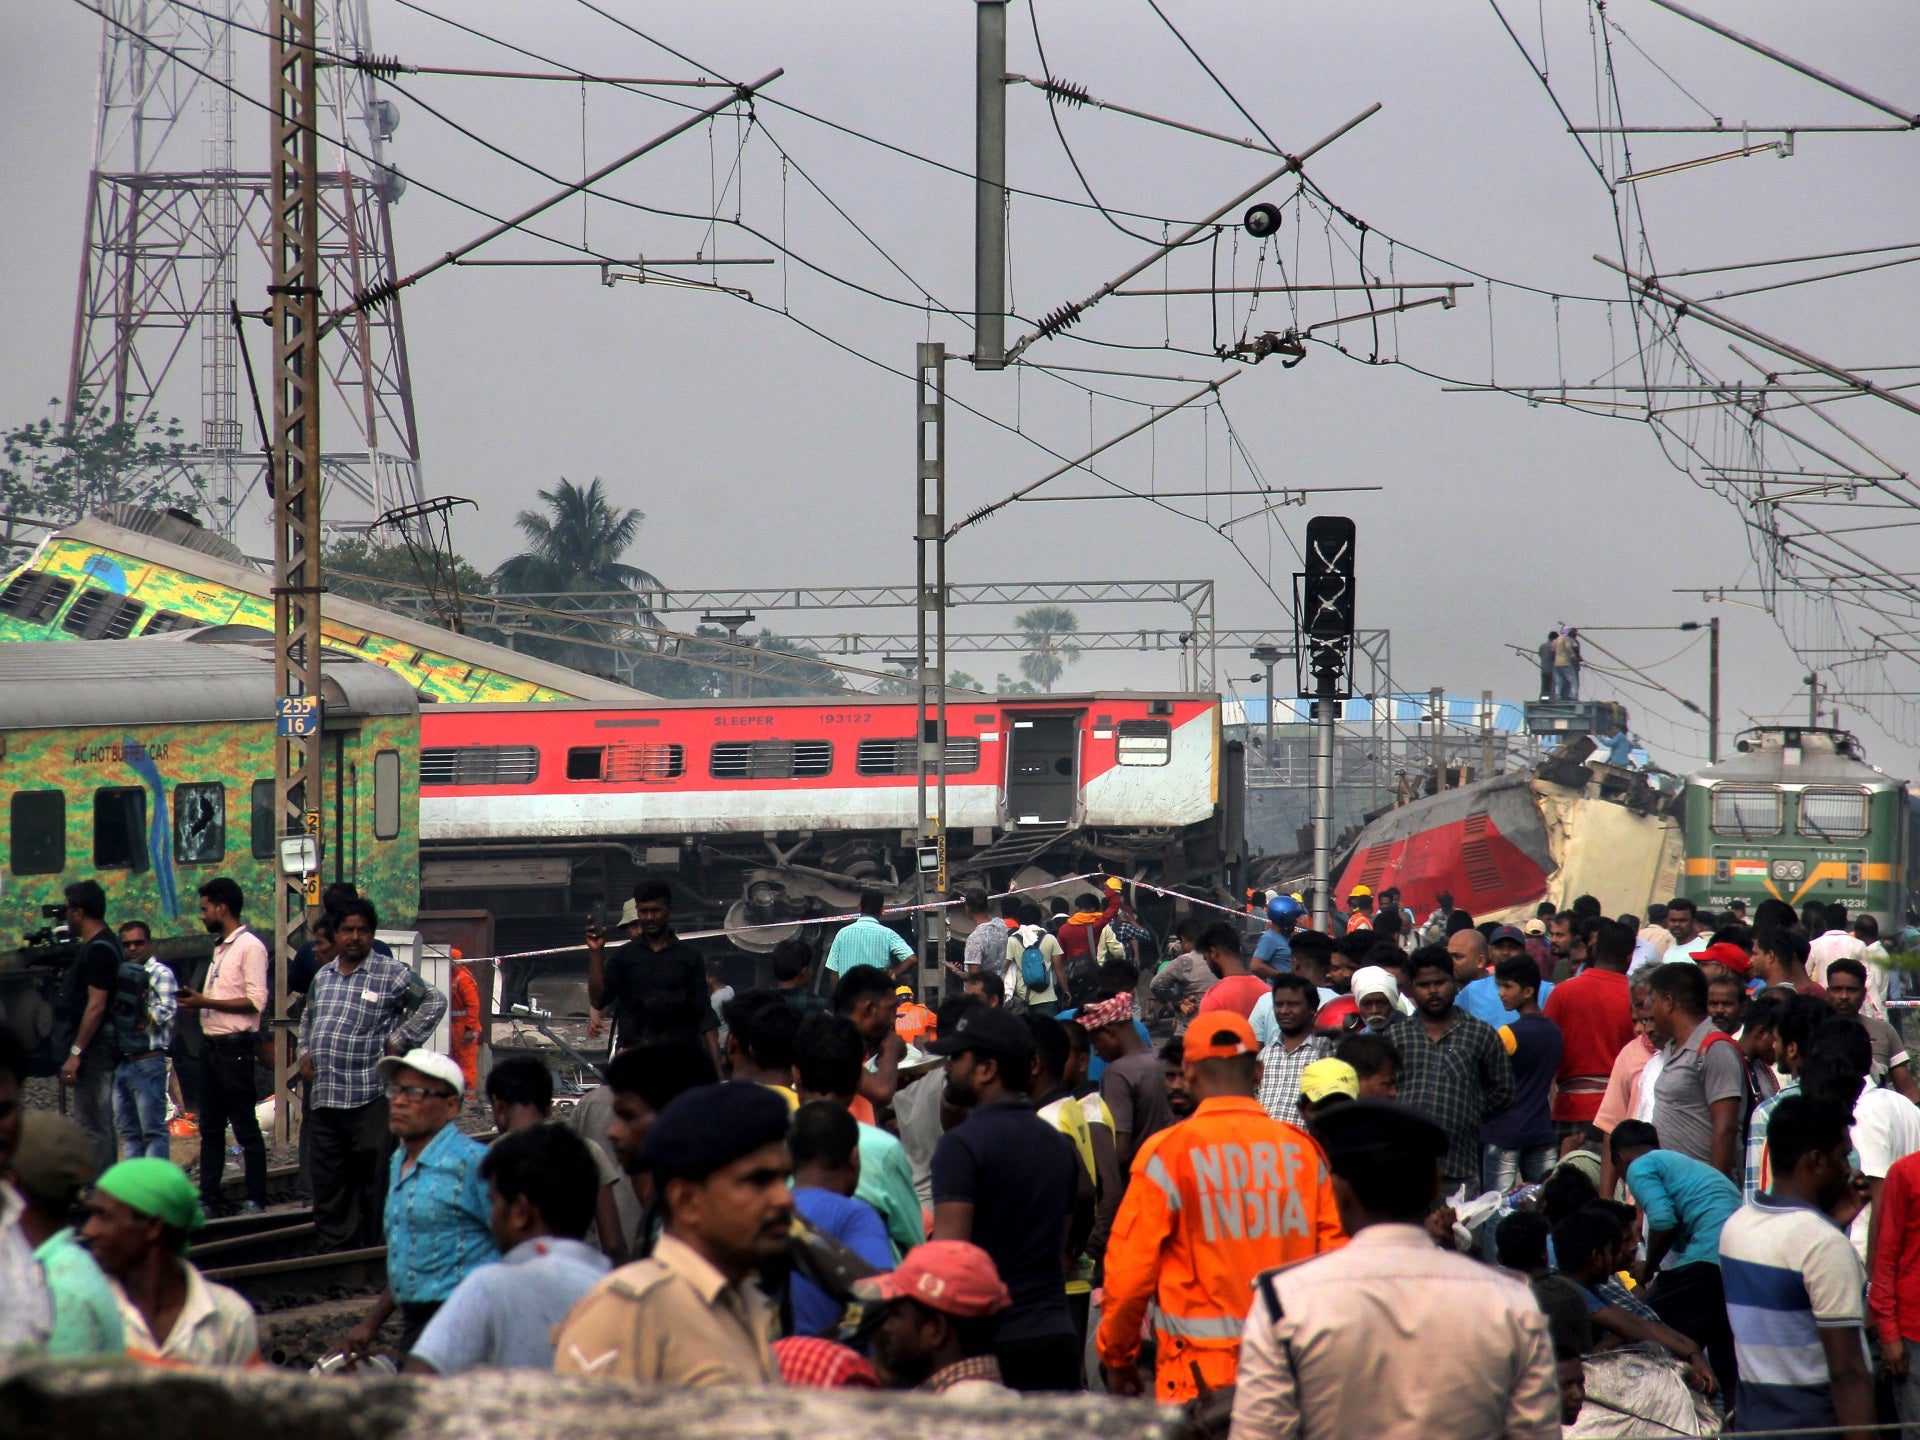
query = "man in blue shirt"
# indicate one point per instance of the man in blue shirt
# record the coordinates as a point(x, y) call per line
point(542, 1185)
point(825, 1143)
point(1519, 1140)
point(439, 1224)
point(1273, 953)
point(1686, 1201)
point(867, 942)
point(1474, 958)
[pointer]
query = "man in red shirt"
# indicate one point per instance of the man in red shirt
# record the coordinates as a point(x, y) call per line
point(1080, 936)
point(1595, 1014)
point(1893, 1296)
point(1239, 989)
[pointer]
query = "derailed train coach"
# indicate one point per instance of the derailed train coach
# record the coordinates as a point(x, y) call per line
point(764, 815)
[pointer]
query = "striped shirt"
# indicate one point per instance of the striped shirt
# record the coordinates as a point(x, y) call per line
point(1790, 1273)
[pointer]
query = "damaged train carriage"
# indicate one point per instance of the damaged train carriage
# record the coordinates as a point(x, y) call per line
point(765, 815)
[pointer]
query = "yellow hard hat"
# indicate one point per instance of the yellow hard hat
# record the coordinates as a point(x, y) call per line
point(906, 990)
point(1362, 891)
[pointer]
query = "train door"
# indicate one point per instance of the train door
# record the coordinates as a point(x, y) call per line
point(1043, 771)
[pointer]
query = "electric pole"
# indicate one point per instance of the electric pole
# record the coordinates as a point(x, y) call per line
point(1713, 691)
point(294, 467)
point(930, 714)
point(990, 186)
point(1269, 656)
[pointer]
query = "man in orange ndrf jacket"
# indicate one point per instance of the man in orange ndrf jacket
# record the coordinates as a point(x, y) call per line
point(1211, 1203)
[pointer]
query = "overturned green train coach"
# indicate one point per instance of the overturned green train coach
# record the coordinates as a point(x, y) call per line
point(147, 765)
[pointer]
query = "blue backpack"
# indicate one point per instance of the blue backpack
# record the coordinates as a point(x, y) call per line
point(1034, 971)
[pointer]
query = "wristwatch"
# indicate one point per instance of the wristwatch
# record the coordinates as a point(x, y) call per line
point(75, 1051)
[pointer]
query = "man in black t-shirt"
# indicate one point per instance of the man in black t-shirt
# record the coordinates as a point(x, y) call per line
point(654, 986)
point(89, 1061)
point(1012, 1184)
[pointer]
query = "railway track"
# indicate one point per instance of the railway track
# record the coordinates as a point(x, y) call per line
point(306, 1279)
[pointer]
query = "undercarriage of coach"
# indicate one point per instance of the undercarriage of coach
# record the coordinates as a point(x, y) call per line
point(763, 889)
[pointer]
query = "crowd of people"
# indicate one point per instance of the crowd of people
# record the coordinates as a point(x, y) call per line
point(1266, 1177)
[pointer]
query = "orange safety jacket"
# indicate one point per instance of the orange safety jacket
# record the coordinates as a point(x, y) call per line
point(914, 1022)
point(1211, 1203)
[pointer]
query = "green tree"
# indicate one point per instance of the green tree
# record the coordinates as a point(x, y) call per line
point(52, 471)
point(352, 561)
point(1005, 684)
point(1049, 632)
point(578, 542)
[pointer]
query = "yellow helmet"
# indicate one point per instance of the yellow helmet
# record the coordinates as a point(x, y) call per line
point(1362, 891)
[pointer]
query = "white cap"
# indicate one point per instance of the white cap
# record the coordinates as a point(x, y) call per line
point(443, 1068)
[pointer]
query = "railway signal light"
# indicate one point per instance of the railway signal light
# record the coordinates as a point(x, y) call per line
point(1325, 607)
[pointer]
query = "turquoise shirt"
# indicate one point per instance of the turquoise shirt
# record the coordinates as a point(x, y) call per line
point(439, 1220)
point(886, 1183)
point(86, 1318)
point(1686, 1196)
point(866, 942)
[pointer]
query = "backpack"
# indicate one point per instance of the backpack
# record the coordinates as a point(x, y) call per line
point(130, 1011)
point(71, 1004)
point(1034, 971)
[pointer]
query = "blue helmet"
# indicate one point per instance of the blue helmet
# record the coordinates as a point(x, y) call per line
point(1284, 910)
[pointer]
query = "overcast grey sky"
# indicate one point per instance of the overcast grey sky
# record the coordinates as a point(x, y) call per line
point(763, 455)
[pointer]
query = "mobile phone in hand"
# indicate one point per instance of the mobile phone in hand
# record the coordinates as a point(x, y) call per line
point(597, 919)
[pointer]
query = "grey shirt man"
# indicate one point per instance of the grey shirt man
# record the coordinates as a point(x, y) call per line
point(1693, 1076)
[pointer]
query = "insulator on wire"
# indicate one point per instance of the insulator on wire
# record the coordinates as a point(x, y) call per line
point(1066, 90)
point(385, 66)
point(375, 295)
point(1057, 321)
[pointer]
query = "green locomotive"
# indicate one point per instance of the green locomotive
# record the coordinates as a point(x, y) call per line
point(147, 765)
point(1798, 815)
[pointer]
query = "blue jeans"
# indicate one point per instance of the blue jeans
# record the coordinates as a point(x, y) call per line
point(140, 1107)
point(1503, 1169)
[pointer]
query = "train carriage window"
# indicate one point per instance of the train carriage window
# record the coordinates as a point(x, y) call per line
point(165, 622)
point(770, 759)
point(586, 762)
point(1833, 814)
point(37, 825)
point(102, 615)
point(386, 794)
point(120, 829)
point(897, 757)
point(263, 827)
point(199, 824)
point(1745, 813)
point(625, 764)
point(1143, 742)
point(34, 598)
point(479, 765)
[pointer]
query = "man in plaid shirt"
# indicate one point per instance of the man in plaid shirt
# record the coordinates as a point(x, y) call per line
point(361, 1006)
point(1451, 1065)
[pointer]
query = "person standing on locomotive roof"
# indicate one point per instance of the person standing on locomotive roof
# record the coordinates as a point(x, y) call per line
point(654, 985)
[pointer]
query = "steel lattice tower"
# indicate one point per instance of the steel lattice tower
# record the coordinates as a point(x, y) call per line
point(171, 222)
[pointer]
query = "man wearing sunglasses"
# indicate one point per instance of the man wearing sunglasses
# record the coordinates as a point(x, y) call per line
point(439, 1221)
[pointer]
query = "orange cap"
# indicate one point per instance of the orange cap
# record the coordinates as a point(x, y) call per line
point(1219, 1035)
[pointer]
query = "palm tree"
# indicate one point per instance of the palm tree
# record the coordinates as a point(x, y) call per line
point(575, 545)
point(1050, 649)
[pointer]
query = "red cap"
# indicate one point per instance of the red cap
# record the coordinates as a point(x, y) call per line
point(1728, 954)
point(951, 1276)
point(1219, 1035)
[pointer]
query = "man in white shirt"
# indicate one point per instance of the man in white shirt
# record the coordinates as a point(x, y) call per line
point(1683, 923)
point(1832, 940)
point(1886, 1125)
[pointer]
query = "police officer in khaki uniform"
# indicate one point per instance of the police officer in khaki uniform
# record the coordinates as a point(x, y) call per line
point(692, 1314)
point(1390, 1337)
